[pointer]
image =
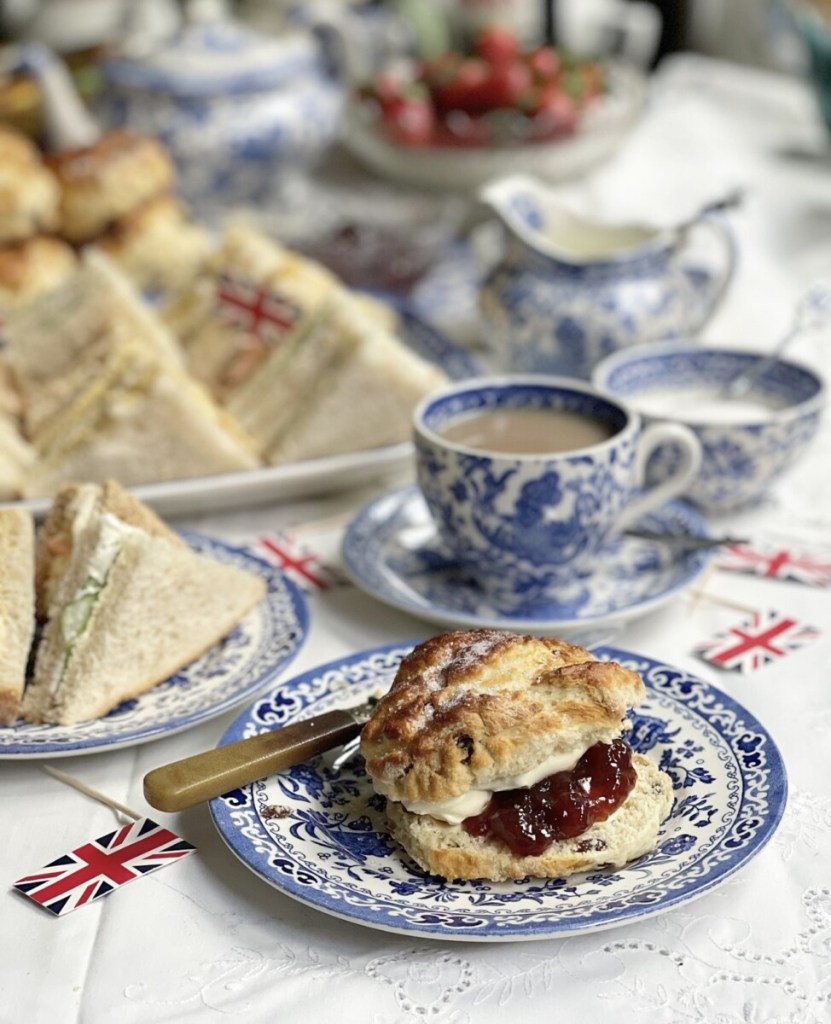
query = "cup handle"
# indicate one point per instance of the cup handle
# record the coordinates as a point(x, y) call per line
point(717, 223)
point(651, 437)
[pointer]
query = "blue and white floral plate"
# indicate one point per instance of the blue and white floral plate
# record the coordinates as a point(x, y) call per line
point(317, 832)
point(391, 551)
point(232, 671)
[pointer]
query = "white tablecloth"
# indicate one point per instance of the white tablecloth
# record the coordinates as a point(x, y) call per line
point(206, 940)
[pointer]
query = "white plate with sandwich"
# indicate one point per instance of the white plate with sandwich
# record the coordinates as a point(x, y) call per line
point(142, 632)
point(213, 415)
point(319, 832)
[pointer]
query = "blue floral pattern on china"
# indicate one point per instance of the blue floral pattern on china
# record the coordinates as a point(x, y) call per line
point(249, 658)
point(390, 550)
point(318, 833)
point(527, 527)
point(741, 460)
point(546, 313)
point(233, 107)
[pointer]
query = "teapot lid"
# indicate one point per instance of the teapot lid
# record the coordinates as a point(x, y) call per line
point(217, 57)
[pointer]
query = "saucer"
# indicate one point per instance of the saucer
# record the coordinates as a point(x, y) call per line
point(391, 551)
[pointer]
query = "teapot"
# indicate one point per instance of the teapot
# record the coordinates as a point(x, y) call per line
point(568, 291)
point(236, 108)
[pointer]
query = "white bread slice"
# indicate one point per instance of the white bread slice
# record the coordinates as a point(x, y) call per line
point(631, 831)
point(363, 401)
point(17, 607)
point(56, 341)
point(17, 457)
point(158, 606)
point(140, 421)
point(295, 373)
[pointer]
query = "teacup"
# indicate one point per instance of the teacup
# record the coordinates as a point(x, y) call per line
point(747, 442)
point(526, 477)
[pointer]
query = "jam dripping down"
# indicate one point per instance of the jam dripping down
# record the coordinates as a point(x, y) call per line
point(561, 806)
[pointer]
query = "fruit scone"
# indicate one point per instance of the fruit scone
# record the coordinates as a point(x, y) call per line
point(504, 756)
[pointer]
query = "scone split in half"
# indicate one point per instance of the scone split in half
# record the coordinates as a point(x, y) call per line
point(504, 756)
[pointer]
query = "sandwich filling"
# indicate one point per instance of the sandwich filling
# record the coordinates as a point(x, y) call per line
point(76, 613)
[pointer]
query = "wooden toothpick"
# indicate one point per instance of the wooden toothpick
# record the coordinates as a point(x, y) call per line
point(94, 794)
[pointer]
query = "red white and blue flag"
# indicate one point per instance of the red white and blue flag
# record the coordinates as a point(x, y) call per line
point(259, 311)
point(777, 563)
point(98, 868)
point(756, 642)
point(298, 562)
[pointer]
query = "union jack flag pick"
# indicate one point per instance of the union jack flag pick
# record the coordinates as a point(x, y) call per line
point(777, 563)
point(304, 567)
point(755, 642)
point(266, 314)
point(100, 867)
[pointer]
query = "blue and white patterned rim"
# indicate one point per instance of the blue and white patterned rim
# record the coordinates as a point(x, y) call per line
point(241, 665)
point(317, 832)
point(390, 551)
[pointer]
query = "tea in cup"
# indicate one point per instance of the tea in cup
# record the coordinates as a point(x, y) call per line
point(527, 477)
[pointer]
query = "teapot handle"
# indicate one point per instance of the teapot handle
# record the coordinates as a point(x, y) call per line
point(717, 223)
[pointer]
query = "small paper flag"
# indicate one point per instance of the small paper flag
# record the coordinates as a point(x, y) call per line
point(298, 562)
point(756, 641)
point(266, 314)
point(777, 563)
point(103, 865)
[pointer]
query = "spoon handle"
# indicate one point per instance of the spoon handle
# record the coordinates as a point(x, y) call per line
point(813, 311)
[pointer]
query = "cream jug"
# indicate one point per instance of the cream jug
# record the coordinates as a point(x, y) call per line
point(568, 291)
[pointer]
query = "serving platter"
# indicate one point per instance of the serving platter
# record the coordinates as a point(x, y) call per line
point(317, 832)
point(464, 169)
point(267, 484)
point(232, 671)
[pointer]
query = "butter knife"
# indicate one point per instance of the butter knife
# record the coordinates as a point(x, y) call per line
point(192, 780)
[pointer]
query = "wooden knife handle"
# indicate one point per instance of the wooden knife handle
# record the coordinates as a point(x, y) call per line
point(181, 784)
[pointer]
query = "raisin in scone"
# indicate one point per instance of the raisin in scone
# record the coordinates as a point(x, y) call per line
point(504, 756)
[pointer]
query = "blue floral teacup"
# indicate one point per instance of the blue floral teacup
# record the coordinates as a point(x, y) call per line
point(748, 442)
point(526, 477)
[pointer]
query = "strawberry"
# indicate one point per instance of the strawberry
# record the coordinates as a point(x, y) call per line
point(553, 114)
point(496, 44)
point(506, 84)
point(545, 64)
point(408, 115)
point(464, 91)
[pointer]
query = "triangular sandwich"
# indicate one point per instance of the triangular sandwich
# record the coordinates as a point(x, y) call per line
point(127, 604)
point(139, 420)
point(345, 383)
point(56, 341)
point(17, 612)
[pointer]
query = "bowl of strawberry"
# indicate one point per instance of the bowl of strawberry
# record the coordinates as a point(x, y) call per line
point(460, 118)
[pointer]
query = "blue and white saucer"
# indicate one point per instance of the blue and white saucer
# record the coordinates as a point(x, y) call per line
point(390, 550)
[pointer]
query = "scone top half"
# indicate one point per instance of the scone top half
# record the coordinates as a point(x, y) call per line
point(488, 710)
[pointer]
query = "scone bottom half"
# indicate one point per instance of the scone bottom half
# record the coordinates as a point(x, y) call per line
point(504, 756)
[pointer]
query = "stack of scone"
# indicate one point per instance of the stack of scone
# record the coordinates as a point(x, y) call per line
point(32, 258)
point(503, 756)
point(118, 194)
point(32, 261)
